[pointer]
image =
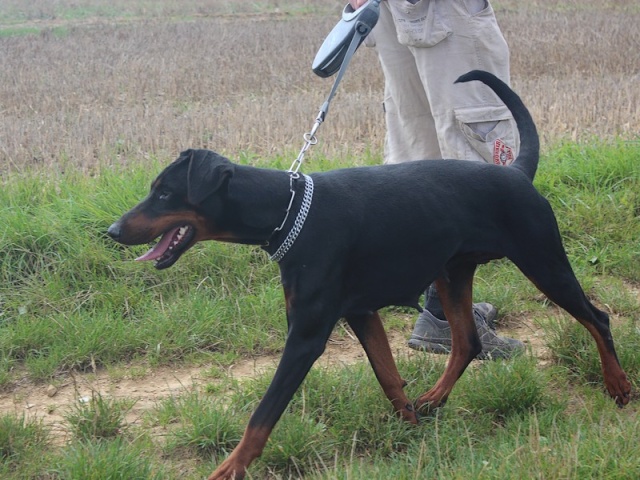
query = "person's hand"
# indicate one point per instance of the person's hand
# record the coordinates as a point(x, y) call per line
point(357, 3)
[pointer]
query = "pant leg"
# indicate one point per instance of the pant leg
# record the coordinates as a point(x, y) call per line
point(411, 131)
point(471, 122)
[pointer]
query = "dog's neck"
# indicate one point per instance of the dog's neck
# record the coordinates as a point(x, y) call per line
point(256, 205)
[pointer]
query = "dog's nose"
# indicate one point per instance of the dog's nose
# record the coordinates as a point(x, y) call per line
point(114, 231)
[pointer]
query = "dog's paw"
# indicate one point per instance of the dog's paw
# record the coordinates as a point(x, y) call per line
point(426, 405)
point(620, 390)
point(228, 470)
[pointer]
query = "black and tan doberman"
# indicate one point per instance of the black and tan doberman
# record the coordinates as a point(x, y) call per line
point(352, 241)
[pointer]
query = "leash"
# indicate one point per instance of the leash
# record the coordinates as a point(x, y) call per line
point(365, 19)
point(328, 57)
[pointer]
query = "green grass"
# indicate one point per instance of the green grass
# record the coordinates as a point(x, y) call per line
point(97, 417)
point(340, 426)
point(105, 460)
point(21, 441)
point(206, 427)
point(593, 189)
point(70, 298)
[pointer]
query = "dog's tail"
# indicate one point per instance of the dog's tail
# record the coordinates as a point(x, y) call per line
point(529, 154)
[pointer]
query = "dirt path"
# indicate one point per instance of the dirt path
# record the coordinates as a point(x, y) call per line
point(50, 404)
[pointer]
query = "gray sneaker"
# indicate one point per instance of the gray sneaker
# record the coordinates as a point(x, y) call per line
point(434, 335)
point(487, 312)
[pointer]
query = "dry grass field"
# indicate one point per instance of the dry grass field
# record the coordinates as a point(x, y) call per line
point(87, 83)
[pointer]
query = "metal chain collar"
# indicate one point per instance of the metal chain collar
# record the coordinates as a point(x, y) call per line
point(299, 221)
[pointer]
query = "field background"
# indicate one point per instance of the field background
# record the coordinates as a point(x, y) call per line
point(109, 369)
point(88, 83)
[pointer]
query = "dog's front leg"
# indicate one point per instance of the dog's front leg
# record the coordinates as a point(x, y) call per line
point(370, 332)
point(306, 341)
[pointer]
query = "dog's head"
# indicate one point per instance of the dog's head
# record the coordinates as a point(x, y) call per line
point(182, 207)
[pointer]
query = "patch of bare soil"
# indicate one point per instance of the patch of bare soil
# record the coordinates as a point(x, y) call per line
point(50, 404)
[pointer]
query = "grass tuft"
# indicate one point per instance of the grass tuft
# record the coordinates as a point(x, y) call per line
point(205, 426)
point(106, 460)
point(98, 418)
point(20, 439)
point(504, 388)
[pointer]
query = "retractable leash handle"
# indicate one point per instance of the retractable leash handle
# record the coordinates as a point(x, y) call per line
point(353, 24)
point(334, 56)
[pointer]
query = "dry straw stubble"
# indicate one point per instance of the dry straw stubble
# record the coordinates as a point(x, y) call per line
point(112, 89)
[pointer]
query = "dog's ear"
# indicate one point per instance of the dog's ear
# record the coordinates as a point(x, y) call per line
point(207, 173)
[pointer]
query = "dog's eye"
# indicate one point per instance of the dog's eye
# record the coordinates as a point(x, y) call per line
point(164, 195)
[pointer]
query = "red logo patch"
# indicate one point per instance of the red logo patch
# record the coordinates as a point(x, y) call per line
point(502, 153)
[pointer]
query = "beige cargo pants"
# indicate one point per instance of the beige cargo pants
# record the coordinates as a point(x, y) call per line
point(423, 47)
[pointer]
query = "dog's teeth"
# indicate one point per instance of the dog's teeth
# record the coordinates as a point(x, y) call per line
point(178, 238)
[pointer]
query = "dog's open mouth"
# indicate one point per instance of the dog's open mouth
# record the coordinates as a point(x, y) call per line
point(172, 244)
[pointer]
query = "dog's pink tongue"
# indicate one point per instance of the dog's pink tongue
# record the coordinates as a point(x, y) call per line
point(160, 248)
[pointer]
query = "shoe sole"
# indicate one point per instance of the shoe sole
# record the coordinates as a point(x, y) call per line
point(422, 346)
point(438, 348)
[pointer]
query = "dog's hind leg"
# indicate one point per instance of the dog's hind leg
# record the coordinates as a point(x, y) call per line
point(370, 332)
point(548, 268)
point(455, 293)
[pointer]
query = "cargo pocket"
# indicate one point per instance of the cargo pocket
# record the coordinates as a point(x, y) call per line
point(491, 131)
point(419, 24)
point(475, 7)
